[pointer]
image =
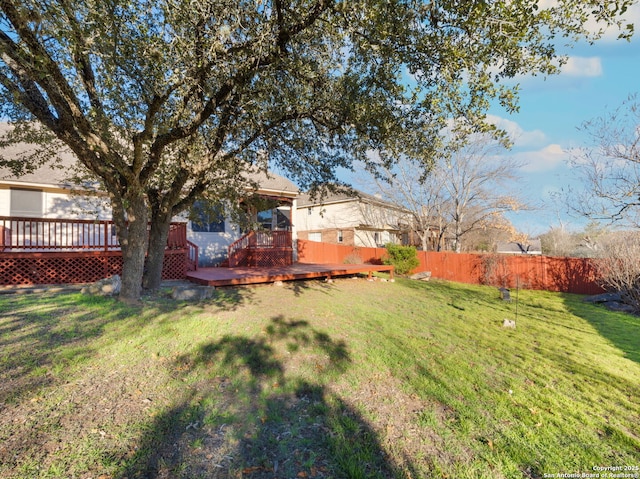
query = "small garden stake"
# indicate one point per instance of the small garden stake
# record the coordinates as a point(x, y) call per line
point(517, 291)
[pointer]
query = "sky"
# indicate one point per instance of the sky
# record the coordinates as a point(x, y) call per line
point(597, 79)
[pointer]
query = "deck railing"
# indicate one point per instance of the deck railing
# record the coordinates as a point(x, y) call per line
point(192, 256)
point(30, 234)
point(239, 251)
point(55, 234)
point(273, 239)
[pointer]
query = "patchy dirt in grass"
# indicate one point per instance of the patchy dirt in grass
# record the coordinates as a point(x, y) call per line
point(395, 416)
point(171, 415)
point(93, 411)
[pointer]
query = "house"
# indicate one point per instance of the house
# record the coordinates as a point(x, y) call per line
point(356, 219)
point(533, 247)
point(49, 194)
point(271, 225)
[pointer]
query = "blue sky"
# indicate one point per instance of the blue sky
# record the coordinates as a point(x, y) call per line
point(596, 79)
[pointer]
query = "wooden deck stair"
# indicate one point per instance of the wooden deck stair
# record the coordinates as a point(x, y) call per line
point(261, 249)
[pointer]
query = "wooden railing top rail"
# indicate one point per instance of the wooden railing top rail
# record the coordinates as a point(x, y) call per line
point(52, 220)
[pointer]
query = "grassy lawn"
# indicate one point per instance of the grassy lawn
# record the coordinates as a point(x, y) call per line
point(352, 379)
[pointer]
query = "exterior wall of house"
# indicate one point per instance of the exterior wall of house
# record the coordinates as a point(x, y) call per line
point(59, 203)
point(213, 247)
point(331, 235)
point(329, 217)
point(372, 238)
point(362, 223)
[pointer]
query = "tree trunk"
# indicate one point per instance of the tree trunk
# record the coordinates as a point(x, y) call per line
point(160, 224)
point(133, 241)
point(424, 238)
point(458, 236)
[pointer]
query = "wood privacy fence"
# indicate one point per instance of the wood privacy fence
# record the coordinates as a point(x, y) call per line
point(569, 275)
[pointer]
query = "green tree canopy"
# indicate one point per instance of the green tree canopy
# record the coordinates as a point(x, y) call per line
point(168, 100)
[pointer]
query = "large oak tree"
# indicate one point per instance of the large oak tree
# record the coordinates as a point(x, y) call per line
point(165, 101)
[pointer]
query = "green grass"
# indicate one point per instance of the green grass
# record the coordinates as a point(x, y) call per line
point(351, 379)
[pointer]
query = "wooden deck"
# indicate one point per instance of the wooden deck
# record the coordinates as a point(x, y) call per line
point(297, 271)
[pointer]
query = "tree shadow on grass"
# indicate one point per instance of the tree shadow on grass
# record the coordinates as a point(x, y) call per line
point(248, 413)
point(42, 336)
point(228, 298)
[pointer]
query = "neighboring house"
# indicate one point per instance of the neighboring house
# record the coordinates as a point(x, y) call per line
point(354, 220)
point(534, 247)
point(48, 193)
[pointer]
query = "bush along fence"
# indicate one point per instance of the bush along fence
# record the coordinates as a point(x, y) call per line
point(568, 275)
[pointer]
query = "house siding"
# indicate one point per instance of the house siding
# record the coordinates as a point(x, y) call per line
point(330, 235)
point(213, 247)
point(363, 224)
point(60, 203)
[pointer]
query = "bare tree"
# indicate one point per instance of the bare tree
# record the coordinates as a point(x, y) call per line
point(609, 167)
point(467, 188)
point(619, 267)
point(420, 195)
point(479, 183)
point(495, 229)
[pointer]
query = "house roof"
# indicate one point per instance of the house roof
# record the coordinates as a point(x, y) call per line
point(533, 247)
point(53, 176)
point(58, 175)
point(47, 175)
point(305, 200)
point(273, 183)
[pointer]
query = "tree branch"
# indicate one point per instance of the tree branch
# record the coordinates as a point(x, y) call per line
point(83, 63)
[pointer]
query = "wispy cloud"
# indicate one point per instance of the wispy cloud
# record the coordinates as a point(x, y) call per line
point(546, 159)
point(532, 148)
point(519, 136)
point(582, 67)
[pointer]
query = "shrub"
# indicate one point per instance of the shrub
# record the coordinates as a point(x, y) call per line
point(618, 267)
point(494, 271)
point(353, 258)
point(403, 258)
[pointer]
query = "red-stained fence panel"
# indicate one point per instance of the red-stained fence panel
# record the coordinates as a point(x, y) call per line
point(569, 275)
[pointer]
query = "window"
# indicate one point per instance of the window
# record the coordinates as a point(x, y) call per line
point(317, 236)
point(207, 218)
point(265, 219)
point(340, 236)
point(274, 219)
point(283, 218)
point(26, 203)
